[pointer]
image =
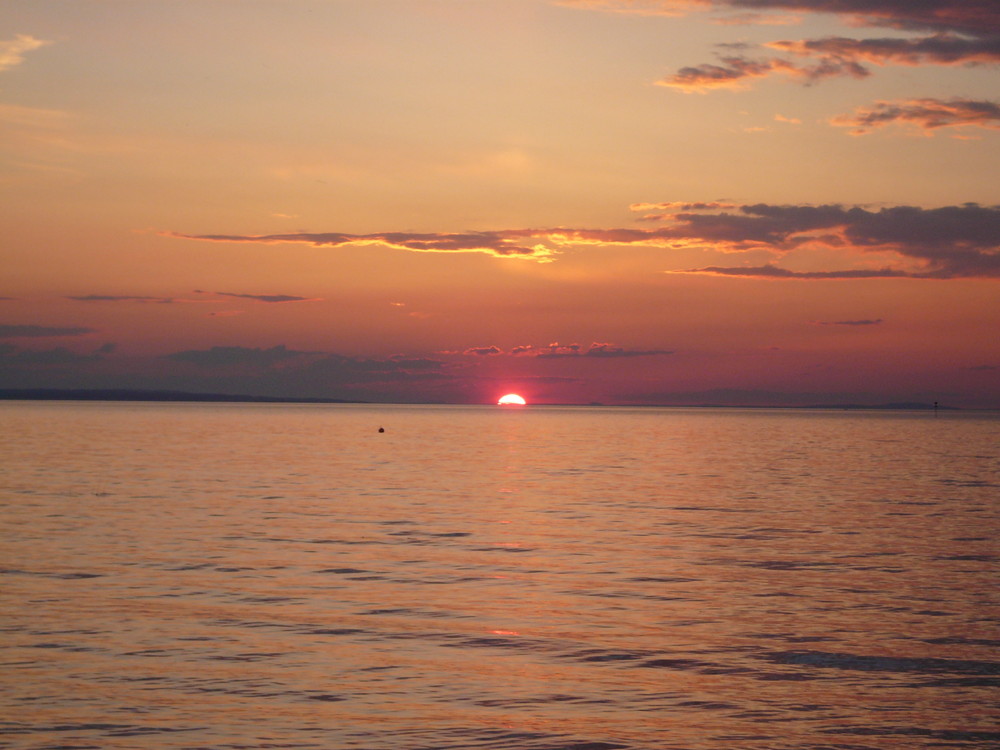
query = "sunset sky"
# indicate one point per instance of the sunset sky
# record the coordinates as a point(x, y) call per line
point(620, 201)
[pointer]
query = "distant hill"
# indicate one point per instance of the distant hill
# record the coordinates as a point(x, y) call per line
point(121, 394)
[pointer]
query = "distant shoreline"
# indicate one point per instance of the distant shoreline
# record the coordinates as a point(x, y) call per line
point(124, 394)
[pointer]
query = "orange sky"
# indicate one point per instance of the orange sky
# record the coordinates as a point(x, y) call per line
point(622, 201)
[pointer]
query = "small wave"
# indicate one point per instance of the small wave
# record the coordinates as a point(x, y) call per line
point(858, 662)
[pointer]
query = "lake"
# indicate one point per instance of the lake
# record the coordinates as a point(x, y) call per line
point(547, 578)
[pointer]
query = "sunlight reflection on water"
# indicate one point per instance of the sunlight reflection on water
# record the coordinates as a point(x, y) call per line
point(193, 575)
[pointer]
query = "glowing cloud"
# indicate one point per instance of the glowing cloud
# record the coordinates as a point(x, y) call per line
point(498, 244)
point(12, 51)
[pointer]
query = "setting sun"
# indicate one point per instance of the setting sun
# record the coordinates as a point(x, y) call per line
point(511, 399)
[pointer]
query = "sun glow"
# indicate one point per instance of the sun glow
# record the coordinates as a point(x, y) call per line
point(511, 399)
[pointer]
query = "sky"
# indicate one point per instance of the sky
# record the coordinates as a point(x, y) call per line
point(740, 202)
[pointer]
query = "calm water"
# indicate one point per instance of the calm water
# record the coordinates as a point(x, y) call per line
point(284, 576)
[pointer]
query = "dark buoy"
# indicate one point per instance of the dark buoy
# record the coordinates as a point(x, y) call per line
point(381, 429)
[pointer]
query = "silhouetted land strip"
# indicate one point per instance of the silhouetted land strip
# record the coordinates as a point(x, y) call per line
point(117, 394)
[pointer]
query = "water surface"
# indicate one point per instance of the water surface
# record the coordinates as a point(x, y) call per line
point(265, 576)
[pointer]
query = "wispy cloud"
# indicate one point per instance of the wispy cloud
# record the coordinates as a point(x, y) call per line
point(926, 114)
point(484, 351)
point(12, 50)
point(36, 331)
point(506, 244)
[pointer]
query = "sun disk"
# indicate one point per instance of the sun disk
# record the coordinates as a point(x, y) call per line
point(511, 399)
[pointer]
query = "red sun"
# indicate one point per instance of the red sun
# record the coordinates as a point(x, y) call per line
point(511, 399)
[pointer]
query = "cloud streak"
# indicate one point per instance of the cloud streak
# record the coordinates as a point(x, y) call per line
point(925, 114)
point(507, 244)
